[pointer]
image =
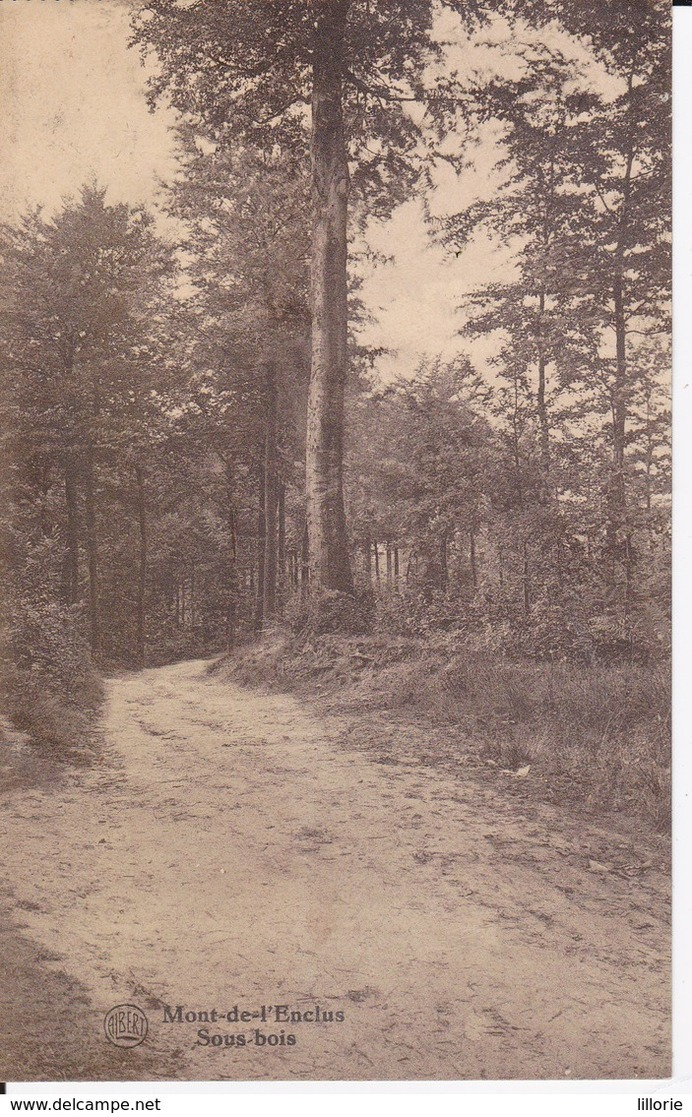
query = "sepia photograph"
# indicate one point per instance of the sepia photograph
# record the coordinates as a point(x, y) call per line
point(335, 539)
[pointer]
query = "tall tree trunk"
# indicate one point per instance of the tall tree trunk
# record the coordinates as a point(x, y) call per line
point(231, 607)
point(71, 565)
point(617, 497)
point(619, 537)
point(281, 541)
point(270, 495)
point(541, 403)
point(411, 565)
point(261, 557)
point(444, 570)
point(619, 396)
point(648, 464)
point(328, 544)
point(71, 561)
point(232, 564)
point(92, 550)
point(525, 578)
point(40, 482)
point(472, 557)
point(142, 572)
point(304, 564)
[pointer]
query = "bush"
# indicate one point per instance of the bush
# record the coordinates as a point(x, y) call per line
point(50, 687)
point(332, 612)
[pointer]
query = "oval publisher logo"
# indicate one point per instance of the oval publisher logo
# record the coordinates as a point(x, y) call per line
point(126, 1026)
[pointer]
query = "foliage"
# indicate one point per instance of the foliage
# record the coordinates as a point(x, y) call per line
point(166, 408)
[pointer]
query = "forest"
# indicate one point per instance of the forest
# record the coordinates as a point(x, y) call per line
point(201, 456)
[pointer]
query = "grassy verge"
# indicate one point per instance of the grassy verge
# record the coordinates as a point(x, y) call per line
point(49, 1030)
point(50, 687)
point(53, 724)
point(599, 733)
point(57, 713)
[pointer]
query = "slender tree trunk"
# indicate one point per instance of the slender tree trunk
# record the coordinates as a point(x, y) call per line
point(619, 394)
point(617, 501)
point(444, 571)
point(396, 565)
point(472, 557)
point(40, 481)
point(142, 572)
point(649, 461)
point(71, 567)
point(92, 550)
point(281, 541)
point(270, 497)
point(388, 553)
point(304, 564)
point(525, 579)
point(328, 544)
point(541, 403)
point(410, 565)
point(515, 438)
point(232, 582)
point(231, 609)
point(377, 559)
point(261, 557)
point(619, 537)
point(71, 562)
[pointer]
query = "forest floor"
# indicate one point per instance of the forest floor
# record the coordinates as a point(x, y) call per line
point(234, 847)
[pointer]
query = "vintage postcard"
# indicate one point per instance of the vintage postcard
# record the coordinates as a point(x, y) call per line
point(335, 413)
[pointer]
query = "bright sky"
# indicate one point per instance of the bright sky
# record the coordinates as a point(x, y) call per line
point(74, 108)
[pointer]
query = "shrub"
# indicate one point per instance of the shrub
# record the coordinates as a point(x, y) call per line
point(50, 687)
point(330, 612)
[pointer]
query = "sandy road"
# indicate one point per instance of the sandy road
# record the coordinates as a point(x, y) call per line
point(230, 850)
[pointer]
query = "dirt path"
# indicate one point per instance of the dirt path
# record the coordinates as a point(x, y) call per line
point(231, 851)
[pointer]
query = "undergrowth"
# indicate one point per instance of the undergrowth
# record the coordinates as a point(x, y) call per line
point(601, 732)
point(49, 685)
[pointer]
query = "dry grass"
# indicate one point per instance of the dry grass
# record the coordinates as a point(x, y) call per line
point(601, 732)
